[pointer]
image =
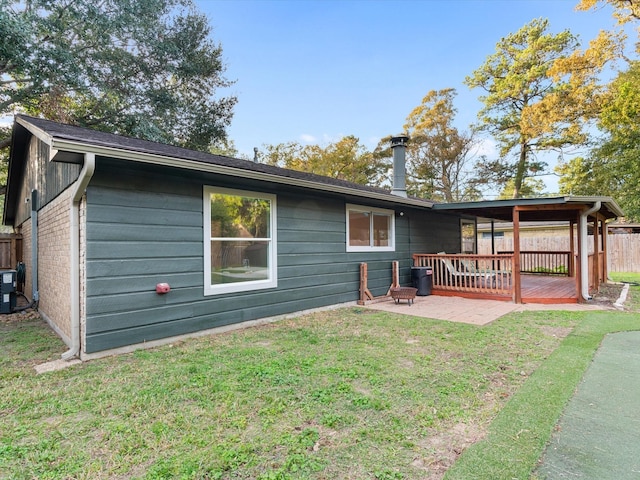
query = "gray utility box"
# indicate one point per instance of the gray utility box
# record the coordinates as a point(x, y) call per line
point(7, 290)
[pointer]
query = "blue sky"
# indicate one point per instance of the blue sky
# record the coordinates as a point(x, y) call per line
point(314, 71)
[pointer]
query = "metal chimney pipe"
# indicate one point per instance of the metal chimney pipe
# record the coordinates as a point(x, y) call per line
point(399, 147)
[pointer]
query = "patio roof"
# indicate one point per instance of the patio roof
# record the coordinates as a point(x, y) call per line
point(534, 209)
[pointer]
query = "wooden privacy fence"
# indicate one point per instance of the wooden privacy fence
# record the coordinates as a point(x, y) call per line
point(482, 274)
point(624, 252)
point(623, 248)
point(544, 263)
point(10, 250)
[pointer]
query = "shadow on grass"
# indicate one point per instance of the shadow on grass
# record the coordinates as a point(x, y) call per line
point(518, 435)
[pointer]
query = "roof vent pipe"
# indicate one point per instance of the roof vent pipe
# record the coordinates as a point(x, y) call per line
point(399, 147)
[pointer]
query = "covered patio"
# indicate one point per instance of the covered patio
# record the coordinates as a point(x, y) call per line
point(524, 276)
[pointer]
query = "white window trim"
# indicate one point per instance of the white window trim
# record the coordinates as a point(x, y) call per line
point(272, 281)
point(381, 211)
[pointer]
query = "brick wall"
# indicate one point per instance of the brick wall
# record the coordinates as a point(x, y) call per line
point(54, 262)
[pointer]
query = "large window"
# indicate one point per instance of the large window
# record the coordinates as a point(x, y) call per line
point(370, 229)
point(240, 241)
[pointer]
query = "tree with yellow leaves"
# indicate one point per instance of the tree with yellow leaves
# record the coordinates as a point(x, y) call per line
point(345, 159)
point(541, 91)
point(438, 153)
point(611, 167)
point(625, 10)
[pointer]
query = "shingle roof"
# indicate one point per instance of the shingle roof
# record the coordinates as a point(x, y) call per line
point(97, 138)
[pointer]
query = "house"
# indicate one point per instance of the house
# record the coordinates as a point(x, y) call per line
point(127, 241)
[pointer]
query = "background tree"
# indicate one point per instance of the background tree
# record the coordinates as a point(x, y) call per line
point(624, 10)
point(531, 187)
point(438, 154)
point(540, 92)
point(284, 155)
point(345, 159)
point(613, 166)
point(146, 69)
point(226, 147)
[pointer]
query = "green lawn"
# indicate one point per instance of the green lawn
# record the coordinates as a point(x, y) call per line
point(350, 393)
point(633, 301)
point(625, 277)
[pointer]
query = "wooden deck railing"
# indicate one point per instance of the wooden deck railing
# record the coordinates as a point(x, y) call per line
point(481, 274)
point(544, 262)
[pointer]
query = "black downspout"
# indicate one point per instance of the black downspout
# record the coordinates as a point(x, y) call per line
point(34, 246)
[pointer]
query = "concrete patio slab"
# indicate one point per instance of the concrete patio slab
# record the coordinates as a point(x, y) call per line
point(467, 310)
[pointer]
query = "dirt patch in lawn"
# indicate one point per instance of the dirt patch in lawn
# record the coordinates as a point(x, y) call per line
point(558, 332)
point(445, 447)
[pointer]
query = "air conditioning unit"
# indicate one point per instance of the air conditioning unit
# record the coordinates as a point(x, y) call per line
point(7, 290)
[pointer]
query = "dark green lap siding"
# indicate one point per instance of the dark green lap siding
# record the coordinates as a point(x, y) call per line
point(145, 226)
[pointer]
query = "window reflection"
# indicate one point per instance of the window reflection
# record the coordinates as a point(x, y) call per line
point(240, 238)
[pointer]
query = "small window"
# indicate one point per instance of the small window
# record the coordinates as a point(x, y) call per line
point(486, 235)
point(240, 244)
point(468, 236)
point(370, 229)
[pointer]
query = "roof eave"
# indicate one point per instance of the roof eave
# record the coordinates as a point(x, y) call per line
point(610, 203)
point(60, 144)
point(39, 133)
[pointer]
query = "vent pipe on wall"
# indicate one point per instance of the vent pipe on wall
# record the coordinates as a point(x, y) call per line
point(399, 147)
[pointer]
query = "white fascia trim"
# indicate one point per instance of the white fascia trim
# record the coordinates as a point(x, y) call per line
point(40, 134)
point(79, 147)
point(604, 200)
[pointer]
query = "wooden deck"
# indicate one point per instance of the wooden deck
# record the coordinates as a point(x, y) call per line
point(548, 289)
point(544, 289)
point(453, 275)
